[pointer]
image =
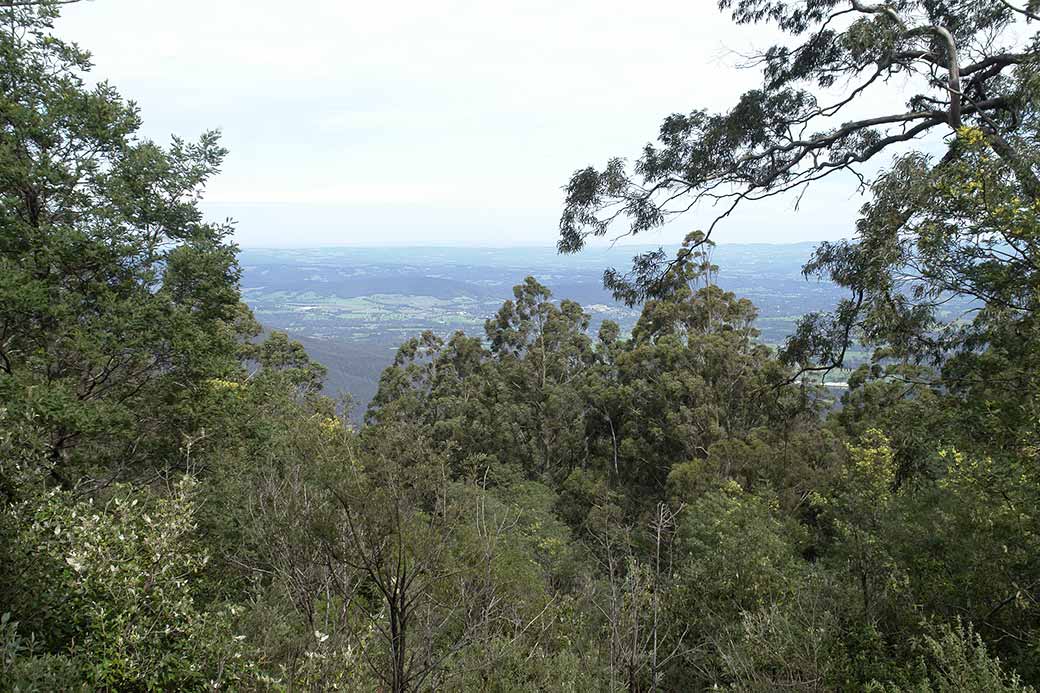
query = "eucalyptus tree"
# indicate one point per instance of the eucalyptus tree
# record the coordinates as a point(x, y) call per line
point(971, 77)
point(543, 354)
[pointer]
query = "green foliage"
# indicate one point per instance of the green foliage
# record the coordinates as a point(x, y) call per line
point(972, 551)
point(734, 556)
point(954, 658)
point(112, 587)
point(857, 514)
point(541, 508)
point(957, 661)
point(965, 68)
point(794, 645)
point(548, 400)
point(117, 300)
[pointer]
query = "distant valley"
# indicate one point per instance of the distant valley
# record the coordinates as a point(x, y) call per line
point(352, 307)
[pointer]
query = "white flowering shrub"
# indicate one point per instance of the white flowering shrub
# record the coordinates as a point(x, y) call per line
point(116, 587)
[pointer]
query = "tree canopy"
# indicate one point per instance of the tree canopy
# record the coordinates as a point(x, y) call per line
point(550, 505)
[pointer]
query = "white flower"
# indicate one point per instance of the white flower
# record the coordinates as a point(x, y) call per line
point(322, 637)
point(76, 564)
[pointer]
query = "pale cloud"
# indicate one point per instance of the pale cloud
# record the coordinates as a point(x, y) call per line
point(347, 194)
point(411, 122)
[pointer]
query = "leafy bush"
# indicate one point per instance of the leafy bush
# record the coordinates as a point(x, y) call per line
point(113, 591)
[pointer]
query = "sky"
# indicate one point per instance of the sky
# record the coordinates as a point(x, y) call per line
point(455, 122)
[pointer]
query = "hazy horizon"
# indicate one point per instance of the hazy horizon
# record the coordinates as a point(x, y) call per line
point(476, 246)
point(419, 124)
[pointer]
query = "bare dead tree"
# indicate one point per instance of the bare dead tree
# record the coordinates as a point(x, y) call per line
point(661, 525)
point(434, 597)
point(638, 647)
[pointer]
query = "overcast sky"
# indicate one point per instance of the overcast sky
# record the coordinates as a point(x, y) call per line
point(429, 123)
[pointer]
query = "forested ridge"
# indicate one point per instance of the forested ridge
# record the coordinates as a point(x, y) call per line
point(542, 507)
